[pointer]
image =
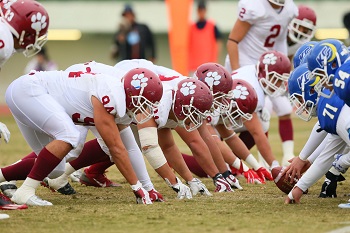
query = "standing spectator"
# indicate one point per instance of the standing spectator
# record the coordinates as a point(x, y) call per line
point(133, 40)
point(41, 62)
point(346, 22)
point(205, 39)
point(261, 26)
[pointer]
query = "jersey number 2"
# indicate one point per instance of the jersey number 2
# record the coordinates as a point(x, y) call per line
point(270, 40)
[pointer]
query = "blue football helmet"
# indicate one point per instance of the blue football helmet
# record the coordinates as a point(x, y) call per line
point(341, 83)
point(302, 52)
point(302, 93)
point(324, 60)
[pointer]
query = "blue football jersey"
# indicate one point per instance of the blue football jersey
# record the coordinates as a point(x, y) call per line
point(341, 83)
point(328, 110)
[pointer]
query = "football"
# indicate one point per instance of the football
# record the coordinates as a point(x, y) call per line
point(281, 181)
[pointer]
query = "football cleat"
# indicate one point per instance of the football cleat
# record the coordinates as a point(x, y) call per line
point(66, 189)
point(329, 186)
point(344, 205)
point(33, 200)
point(75, 176)
point(7, 204)
point(8, 189)
point(97, 180)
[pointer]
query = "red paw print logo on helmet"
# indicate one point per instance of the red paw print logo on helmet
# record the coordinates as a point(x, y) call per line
point(139, 81)
point(38, 21)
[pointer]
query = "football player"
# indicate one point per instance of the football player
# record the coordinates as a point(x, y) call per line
point(228, 111)
point(301, 29)
point(262, 26)
point(72, 98)
point(19, 33)
point(331, 128)
point(165, 111)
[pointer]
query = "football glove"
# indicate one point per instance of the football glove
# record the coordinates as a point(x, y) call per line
point(155, 196)
point(197, 186)
point(182, 190)
point(231, 179)
point(221, 184)
point(329, 186)
point(264, 174)
point(252, 177)
point(4, 132)
point(142, 196)
point(265, 115)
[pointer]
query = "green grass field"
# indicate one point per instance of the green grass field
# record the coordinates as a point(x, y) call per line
point(257, 208)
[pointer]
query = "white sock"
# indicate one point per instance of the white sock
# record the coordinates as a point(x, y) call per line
point(334, 171)
point(69, 169)
point(251, 160)
point(288, 149)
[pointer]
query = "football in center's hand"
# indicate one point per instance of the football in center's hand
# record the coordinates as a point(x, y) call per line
point(282, 182)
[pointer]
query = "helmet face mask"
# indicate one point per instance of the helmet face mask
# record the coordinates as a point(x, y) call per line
point(243, 101)
point(192, 101)
point(302, 28)
point(302, 93)
point(143, 109)
point(143, 91)
point(274, 84)
point(272, 71)
point(28, 21)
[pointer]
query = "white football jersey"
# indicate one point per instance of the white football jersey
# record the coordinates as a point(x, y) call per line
point(268, 30)
point(73, 91)
point(170, 78)
point(96, 67)
point(162, 115)
point(248, 73)
point(6, 43)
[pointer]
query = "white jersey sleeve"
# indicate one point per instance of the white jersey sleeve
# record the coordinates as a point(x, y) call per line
point(250, 11)
point(314, 140)
point(73, 90)
point(6, 43)
point(161, 115)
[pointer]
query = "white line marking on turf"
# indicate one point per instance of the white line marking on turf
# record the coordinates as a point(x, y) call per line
point(341, 230)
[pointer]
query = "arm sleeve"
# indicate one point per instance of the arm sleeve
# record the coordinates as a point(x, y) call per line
point(315, 139)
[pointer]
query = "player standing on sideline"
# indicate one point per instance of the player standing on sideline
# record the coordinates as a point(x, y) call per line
point(261, 26)
point(23, 28)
